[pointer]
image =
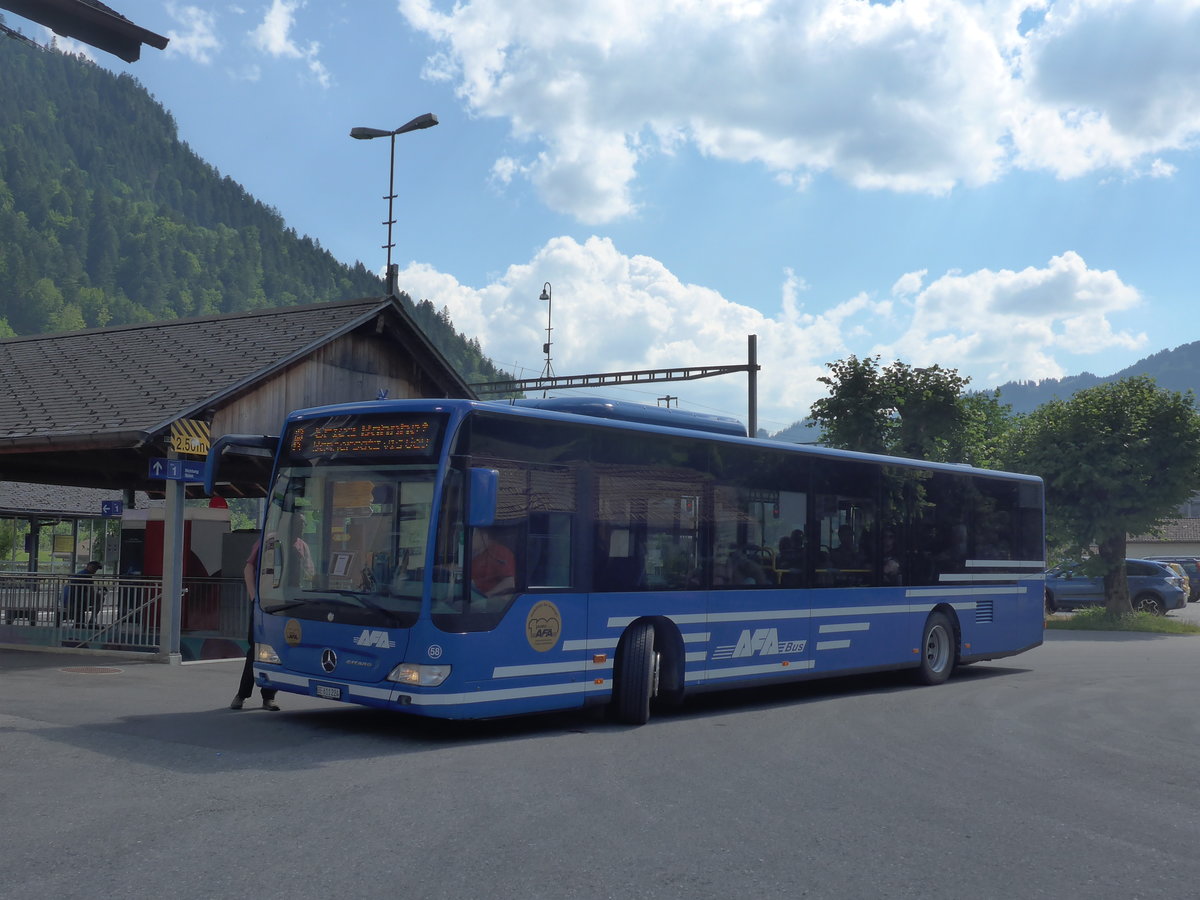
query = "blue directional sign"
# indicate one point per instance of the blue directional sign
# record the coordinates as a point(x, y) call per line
point(111, 509)
point(177, 469)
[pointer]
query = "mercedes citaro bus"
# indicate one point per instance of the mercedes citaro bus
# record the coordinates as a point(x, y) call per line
point(469, 559)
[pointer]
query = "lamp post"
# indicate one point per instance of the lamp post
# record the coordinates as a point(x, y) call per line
point(428, 120)
point(547, 372)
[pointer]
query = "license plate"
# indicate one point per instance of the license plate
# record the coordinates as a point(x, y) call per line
point(329, 693)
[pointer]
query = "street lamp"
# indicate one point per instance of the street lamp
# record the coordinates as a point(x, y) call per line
point(428, 120)
point(547, 372)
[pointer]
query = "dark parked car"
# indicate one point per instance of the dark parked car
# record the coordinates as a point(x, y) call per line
point(1153, 587)
point(1191, 565)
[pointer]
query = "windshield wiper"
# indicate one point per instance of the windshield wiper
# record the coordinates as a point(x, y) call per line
point(361, 597)
point(280, 607)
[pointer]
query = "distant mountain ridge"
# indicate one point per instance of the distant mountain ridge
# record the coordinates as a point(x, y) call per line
point(1176, 370)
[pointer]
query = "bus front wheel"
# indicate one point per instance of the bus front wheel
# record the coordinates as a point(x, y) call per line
point(636, 675)
point(937, 649)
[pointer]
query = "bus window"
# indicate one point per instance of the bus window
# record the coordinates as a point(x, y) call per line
point(845, 531)
point(652, 496)
point(760, 520)
point(648, 527)
point(549, 549)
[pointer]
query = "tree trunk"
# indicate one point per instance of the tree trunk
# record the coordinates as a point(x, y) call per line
point(1116, 584)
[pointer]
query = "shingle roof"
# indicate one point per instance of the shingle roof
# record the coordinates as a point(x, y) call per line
point(19, 497)
point(137, 378)
point(1174, 531)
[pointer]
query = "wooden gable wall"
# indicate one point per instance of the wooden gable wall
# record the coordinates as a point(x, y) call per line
point(351, 368)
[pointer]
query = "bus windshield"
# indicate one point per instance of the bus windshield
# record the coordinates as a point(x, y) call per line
point(347, 543)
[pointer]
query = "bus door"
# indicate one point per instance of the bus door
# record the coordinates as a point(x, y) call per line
point(758, 616)
point(513, 622)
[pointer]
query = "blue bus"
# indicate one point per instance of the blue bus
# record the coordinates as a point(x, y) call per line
point(467, 559)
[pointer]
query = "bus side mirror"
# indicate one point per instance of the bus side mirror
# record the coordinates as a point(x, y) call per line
point(481, 497)
point(234, 442)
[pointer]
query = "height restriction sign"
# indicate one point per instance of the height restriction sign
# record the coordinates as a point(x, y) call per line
point(190, 436)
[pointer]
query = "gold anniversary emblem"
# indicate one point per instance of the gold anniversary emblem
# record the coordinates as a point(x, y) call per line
point(291, 633)
point(543, 626)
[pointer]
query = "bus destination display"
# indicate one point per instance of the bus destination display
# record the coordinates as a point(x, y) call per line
point(366, 436)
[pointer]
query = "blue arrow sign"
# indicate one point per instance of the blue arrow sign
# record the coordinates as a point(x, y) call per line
point(177, 469)
point(111, 509)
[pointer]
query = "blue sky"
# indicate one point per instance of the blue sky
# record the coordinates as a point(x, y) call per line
point(1007, 188)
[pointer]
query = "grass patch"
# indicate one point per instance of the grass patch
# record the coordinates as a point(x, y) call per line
point(1099, 619)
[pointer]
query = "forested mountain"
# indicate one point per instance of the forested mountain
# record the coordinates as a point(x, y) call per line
point(107, 218)
point(1175, 370)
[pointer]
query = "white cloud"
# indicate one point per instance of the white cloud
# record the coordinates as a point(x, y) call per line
point(614, 312)
point(198, 41)
point(914, 95)
point(273, 37)
point(909, 283)
point(1005, 325)
point(1109, 83)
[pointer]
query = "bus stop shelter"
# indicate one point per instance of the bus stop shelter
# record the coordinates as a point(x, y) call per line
point(134, 408)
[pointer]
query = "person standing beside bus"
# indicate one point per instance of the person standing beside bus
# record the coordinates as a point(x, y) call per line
point(246, 685)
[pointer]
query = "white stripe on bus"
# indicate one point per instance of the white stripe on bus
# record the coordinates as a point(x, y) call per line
point(604, 643)
point(832, 645)
point(953, 578)
point(579, 665)
point(770, 669)
point(305, 681)
point(824, 612)
point(845, 626)
point(969, 592)
point(493, 696)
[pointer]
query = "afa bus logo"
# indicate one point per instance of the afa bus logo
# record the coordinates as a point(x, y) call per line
point(543, 626)
point(760, 642)
point(372, 638)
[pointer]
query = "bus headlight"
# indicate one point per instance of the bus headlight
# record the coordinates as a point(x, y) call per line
point(265, 653)
point(419, 675)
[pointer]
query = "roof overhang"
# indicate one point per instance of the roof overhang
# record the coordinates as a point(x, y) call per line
point(92, 23)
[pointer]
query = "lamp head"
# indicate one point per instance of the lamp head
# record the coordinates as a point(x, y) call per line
point(426, 120)
point(365, 134)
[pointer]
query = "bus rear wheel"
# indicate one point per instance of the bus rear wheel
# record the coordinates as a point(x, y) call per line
point(937, 649)
point(636, 675)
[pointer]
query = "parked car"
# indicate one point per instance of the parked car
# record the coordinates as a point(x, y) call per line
point(1191, 566)
point(1153, 587)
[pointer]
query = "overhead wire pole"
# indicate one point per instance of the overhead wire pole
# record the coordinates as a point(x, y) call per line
point(752, 384)
point(640, 376)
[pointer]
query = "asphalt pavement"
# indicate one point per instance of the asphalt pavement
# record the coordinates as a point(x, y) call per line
point(1060, 773)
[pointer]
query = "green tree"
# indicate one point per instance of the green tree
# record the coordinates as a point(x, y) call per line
point(929, 418)
point(920, 413)
point(987, 427)
point(856, 414)
point(1117, 459)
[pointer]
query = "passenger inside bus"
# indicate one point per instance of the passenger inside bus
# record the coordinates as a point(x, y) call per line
point(846, 554)
point(493, 566)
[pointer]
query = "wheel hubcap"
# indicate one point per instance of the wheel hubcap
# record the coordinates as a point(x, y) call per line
point(936, 649)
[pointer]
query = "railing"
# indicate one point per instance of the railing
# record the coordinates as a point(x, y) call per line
point(123, 614)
